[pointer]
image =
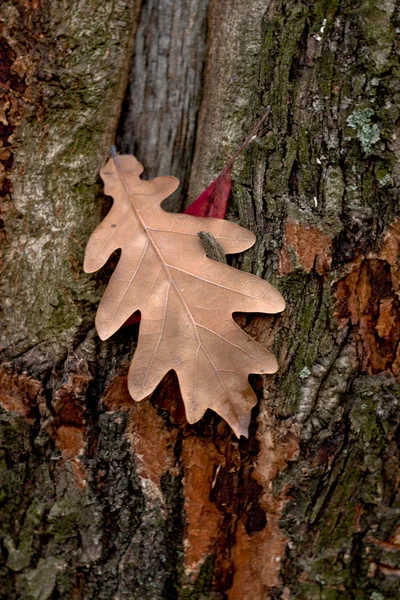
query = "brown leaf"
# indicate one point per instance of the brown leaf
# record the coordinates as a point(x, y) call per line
point(186, 300)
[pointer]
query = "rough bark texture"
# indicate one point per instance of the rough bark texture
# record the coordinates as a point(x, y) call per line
point(163, 99)
point(103, 498)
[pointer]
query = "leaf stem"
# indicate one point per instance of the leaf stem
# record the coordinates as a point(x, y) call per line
point(250, 138)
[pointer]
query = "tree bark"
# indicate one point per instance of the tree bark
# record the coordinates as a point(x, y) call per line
point(104, 498)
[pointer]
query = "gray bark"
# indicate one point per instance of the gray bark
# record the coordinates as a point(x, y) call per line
point(104, 498)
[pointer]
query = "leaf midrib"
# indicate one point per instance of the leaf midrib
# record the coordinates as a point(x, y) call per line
point(166, 267)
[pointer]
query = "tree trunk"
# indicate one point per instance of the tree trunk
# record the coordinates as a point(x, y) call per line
point(104, 498)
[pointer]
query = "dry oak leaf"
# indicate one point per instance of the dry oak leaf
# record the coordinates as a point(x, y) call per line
point(186, 300)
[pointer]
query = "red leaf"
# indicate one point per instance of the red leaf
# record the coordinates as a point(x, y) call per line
point(213, 202)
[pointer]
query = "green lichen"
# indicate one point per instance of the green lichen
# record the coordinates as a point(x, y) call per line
point(377, 596)
point(367, 133)
point(304, 373)
point(385, 181)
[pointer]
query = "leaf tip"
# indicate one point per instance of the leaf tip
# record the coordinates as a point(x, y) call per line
point(281, 304)
point(88, 267)
point(241, 429)
point(103, 329)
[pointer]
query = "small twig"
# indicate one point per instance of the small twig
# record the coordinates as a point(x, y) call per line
point(211, 246)
point(250, 138)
